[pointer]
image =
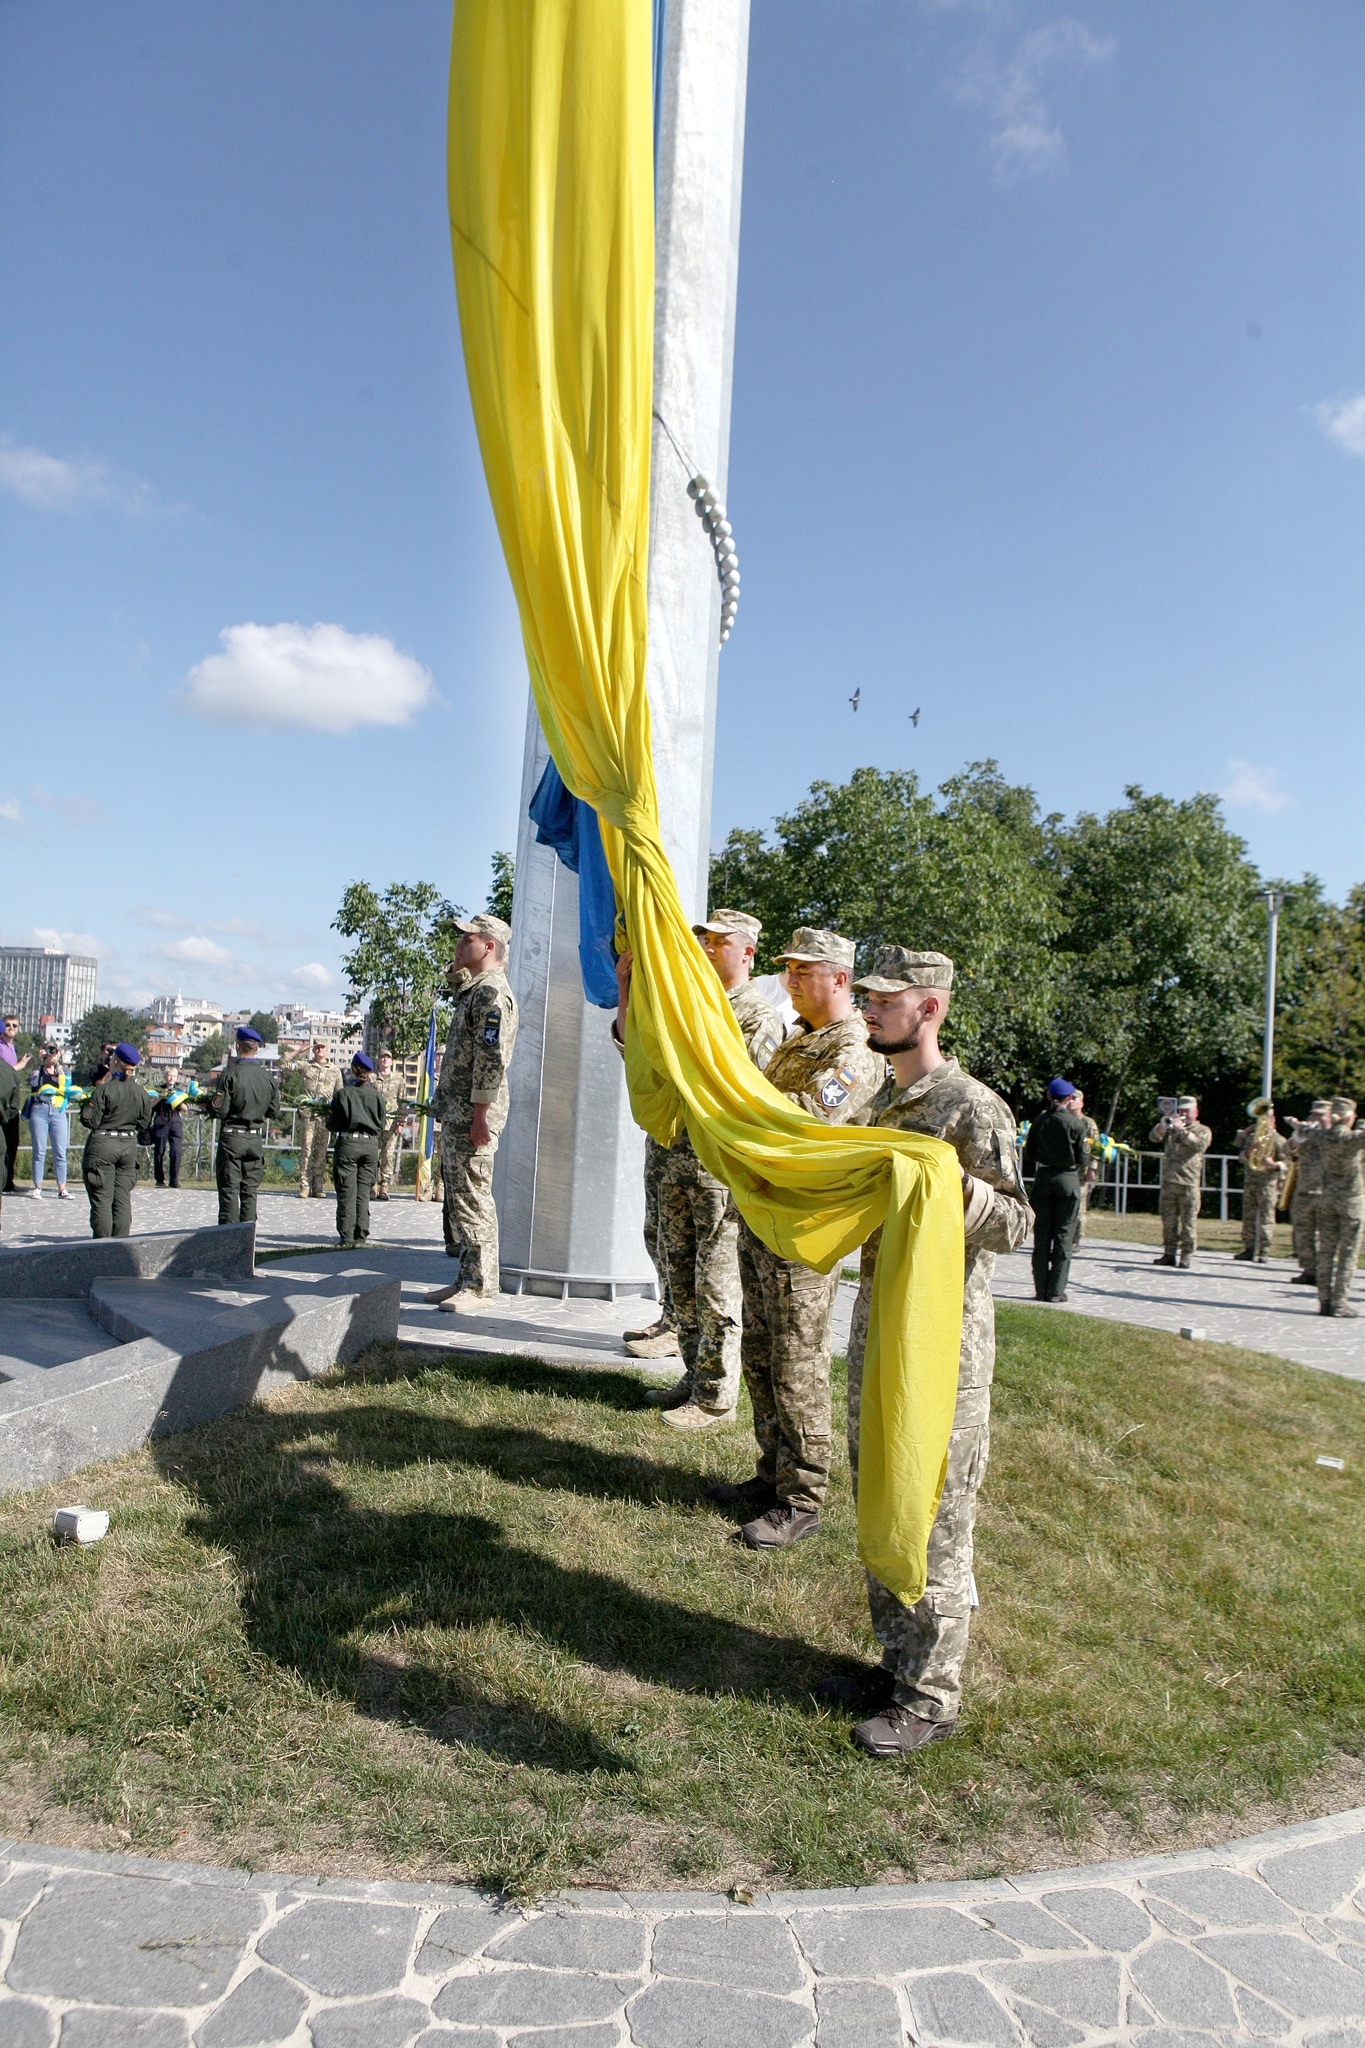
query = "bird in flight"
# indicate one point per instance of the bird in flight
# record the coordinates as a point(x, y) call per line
point(853, 700)
point(914, 715)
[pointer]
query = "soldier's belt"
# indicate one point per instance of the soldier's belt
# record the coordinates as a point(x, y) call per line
point(246, 1130)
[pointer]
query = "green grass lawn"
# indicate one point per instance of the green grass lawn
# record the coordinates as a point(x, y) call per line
point(435, 1617)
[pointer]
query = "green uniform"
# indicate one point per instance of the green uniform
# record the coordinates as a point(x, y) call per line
point(1341, 1216)
point(356, 1121)
point(116, 1113)
point(10, 1091)
point(1055, 1153)
point(390, 1087)
point(483, 1031)
point(246, 1097)
point(1182, 1173)
point(1092, 1145)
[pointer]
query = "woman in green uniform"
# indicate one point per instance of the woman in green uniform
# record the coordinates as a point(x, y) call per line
point(116, 1113)
point(357, 1118)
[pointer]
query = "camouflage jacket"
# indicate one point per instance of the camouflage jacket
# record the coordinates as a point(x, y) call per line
point(319, 1079)
point(390, 1087)
point(1182, 1153)
point(483, 1032)
point(970, 1117)
point(762, 1029)
point(832, 1072)
point(1276, 1154)
point(1092, 1139)
point(1308, 1152)
point(1343, 1155)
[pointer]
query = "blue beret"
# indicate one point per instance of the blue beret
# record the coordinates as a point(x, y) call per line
point(1059, 1090)
point(245, 1035)
point(362, 1059)
point(129, 1054)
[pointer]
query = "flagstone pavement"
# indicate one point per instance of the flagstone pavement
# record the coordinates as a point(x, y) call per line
point(1262, 1941)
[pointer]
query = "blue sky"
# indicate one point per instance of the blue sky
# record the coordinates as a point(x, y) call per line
point(1048, 419)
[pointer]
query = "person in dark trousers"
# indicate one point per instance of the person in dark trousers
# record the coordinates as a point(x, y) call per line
point(117, 1113)
point(9, 1122)
point(168, 1128)
point(244, 1101)
point(356, 1119)
point(1056, 1151)
point(10, 1092)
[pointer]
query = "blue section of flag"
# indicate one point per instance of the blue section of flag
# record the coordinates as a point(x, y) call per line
point(570, 826)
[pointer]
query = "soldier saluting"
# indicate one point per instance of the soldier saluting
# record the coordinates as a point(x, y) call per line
point(471, 1102)
point(116, 1113)
point(246, 1097)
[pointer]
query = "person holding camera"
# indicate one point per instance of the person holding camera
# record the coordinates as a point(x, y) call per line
point(1183, 1141)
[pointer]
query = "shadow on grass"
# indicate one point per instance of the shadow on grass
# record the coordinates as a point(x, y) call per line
point(319, 1574)
point(599, 1386)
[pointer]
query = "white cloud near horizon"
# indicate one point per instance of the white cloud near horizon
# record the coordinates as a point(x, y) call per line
point(1011, 90)
point(315, 976)
point(84, 943)
point(71, 484)
point(1253, 789)
point(1343, 421)
point(318, 678)
point(195, 951)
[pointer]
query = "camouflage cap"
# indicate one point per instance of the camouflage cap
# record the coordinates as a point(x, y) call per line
point(1186, 1102)
point(723, 921)
point(1321, 1102)
point(824, 949)
point(897, 968)
point(487, 926)
point(1342, 1105)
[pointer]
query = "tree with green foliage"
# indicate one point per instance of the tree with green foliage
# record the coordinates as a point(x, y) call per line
point(960, 871)
point(268, 1026)
point(404, 940)
point(1320, 1024)
point(1160, 980)
point(209, 1053)
point(104, 1023)
point(500, 893)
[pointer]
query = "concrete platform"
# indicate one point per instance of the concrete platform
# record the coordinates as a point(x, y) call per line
point(87, 1379)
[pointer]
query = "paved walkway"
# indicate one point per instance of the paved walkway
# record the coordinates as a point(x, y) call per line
point(1261, 1941)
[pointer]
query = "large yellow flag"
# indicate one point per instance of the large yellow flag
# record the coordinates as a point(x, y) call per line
point(552, 223)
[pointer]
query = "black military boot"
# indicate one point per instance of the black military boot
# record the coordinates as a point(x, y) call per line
point(896, 1732)
point(860, 1692)
point(1166, 1259)
point(755, 1494)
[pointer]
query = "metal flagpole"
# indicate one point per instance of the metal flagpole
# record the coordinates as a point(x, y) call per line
point(1274, 903)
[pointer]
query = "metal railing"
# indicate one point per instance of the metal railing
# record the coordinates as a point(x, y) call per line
point(1131, 1181)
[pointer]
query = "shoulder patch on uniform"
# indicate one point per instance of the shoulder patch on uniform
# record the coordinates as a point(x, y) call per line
point(492, 1028)
point(838, 1088)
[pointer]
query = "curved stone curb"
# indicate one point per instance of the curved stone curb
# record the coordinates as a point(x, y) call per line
point(1260, 1940)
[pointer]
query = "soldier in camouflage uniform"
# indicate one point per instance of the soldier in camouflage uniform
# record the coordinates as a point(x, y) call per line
point(390, 1087)
point(917, 1687)
point(1264, 1156)
point(1306, 1141)
point(321, 1080)
point(698, 1221)
point(1341, 1210)
point(1184, 1141)
point(826, 1066)
point(1092, 1170)
point(658, 1339)
point(471, 1103)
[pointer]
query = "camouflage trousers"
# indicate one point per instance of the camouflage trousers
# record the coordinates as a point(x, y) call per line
point(1179, 1218)
point(1340, 1227)
point(926, 1645)
point(312, 1153)
point(699, 1242)
point(784, 1351)
point(656, 1156)
point(1258, 1212)
point(1087, 1188)
point(386, 1174)
point(471, 1221)
point(1307, 1202)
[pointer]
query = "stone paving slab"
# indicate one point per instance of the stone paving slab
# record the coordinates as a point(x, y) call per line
point(97, 1951)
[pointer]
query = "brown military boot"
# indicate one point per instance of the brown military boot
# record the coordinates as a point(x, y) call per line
point(664, 1345)
point(656, 1329)
point(691, 1415)
point(670, 1397)
point(781, 1526)
point(896, 1731)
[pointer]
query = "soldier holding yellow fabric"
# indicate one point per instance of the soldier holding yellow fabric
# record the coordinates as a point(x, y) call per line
point(916, 1690)
point(826, 1066)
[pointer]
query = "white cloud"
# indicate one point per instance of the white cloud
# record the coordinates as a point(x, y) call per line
point(195, 952)
point(67, 942)
point(59, 483)
point(1343, 421)
point(1252, 788)
point(315, 976)
point(1010, 88)
point(309, 678)
point(11, 813)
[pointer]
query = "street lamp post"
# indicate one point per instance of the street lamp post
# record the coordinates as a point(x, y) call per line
point(1274, 903)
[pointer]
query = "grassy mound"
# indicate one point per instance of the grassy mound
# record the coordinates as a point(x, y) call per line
point(445, 1618)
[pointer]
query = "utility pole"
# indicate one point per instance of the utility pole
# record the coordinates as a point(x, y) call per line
point(1274, 904)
